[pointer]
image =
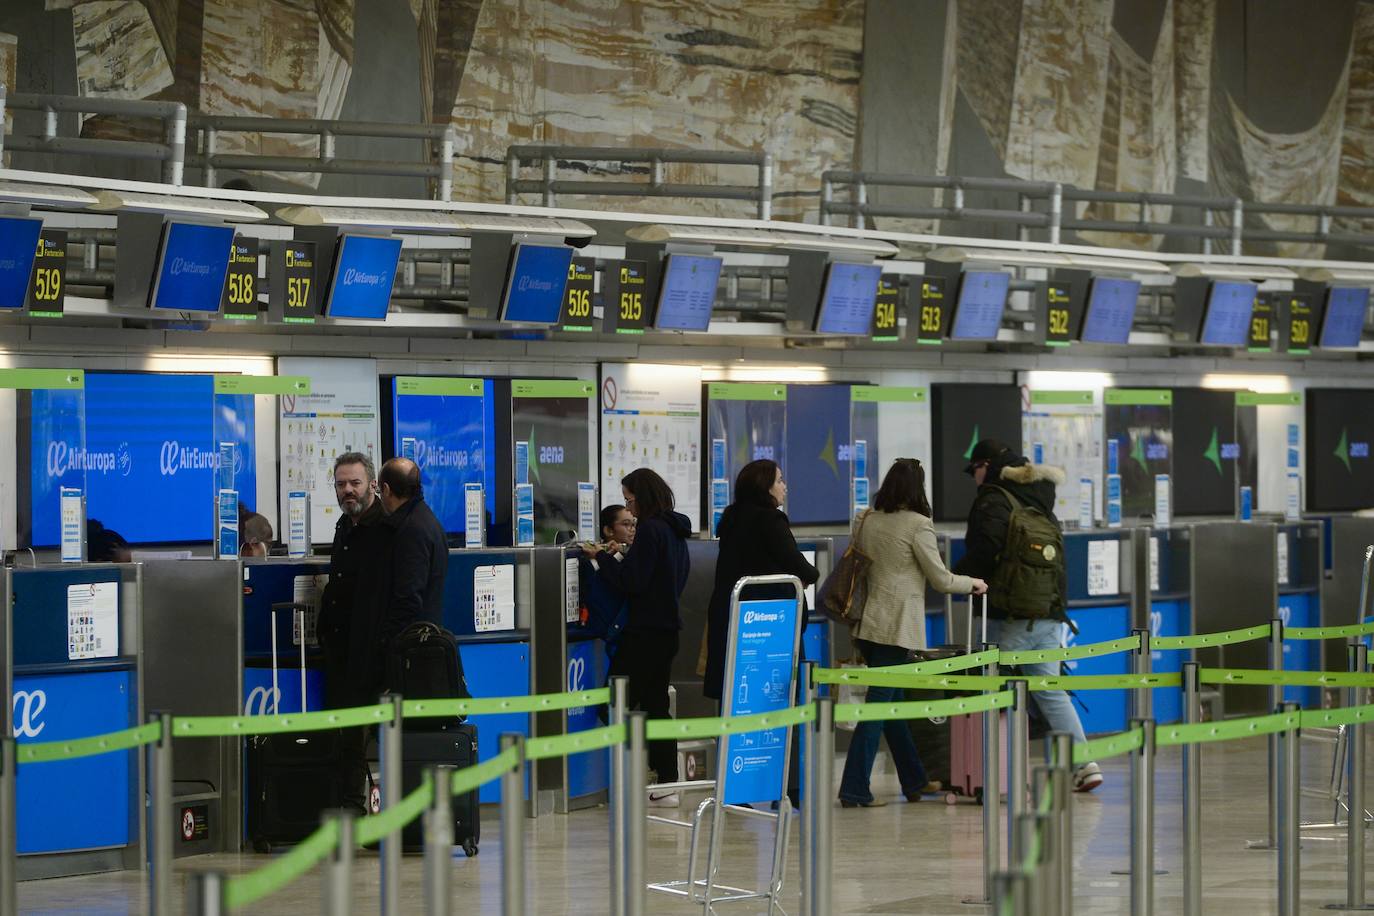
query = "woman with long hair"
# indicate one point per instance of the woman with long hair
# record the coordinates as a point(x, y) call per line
point(899, 537)
point(651, 575)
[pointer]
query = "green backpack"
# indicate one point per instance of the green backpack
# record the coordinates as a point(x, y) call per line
point(1026, 581)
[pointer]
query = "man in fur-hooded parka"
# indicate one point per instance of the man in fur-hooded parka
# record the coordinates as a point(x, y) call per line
point(996, 467)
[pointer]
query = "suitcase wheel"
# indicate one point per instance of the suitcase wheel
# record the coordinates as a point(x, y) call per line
point(262, 847)
point(951, 798)
point(470, 849)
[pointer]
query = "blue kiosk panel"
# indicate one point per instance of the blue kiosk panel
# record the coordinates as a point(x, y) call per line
point(587, 668)
point(264, 585)
point(1299, 609)
point(1168, 618)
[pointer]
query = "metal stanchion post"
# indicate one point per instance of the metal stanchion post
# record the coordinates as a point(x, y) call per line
point(389, 746)
point(1061, 744)
point(160, 818)
point(1141, 698)
point(1275, 698)
point(992, 794)
point(808, 746)
point(1018, 731)
point(619, 703)
point(513, 829)
point(1354, 779)
point(1289, 825)
point(1192, 796)
point(9, 840)
point(1025, 827)
point(439, 843)
point(1042, 785)
point(635, 792)
point(338, 870)
point(822, 781)
point(204, 894)
point(1009, 892)
point(1143, 821)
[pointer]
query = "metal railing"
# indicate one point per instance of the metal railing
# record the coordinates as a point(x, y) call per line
point(434, 163)
point(652, 162)
point(1041, 206)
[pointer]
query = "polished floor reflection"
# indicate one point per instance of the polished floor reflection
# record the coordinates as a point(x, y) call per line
point(903, 858)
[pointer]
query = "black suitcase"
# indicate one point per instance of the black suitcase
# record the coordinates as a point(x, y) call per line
point(292, 780)
point(451, 744)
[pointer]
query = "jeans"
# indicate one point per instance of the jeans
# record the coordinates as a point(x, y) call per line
point(1055, 705)
point(858, 764)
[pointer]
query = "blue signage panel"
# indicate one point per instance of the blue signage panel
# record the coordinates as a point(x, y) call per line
point(496, 669)
point(1101, 711)
point(1168, 618)
point(150, 440)
point(587, 666)
point(1344, 320)
point(192, 267)
point(83, 803)
point(18, 247)
point(1229, 305)
point(537, 281)
point(764, 660)
point(364, 272)
point(847, 301)
point(982, 299)
point(1110, 311)
point(450, 435)
point(1300, 610)
point(687, 293)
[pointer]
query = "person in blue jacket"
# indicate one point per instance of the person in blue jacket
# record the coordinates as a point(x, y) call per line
point(604, 610)
point(651, 576)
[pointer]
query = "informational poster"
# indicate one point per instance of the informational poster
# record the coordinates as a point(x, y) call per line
point(227, 529)
point(524, 515)
point(474, 527)
point(1154, 564)
point(493, 598)
point(1104, 568)
point(338, 416)
point(587, 528)
point(763, 662)
point(572, 595)
point(1163, 501)
point(1087, 502)
point(73, 524)
point(92, 620)
point(720, 499)
point(1281, 546)
point(306, 590)
point(1067, 426)
point(297, 523)
point(651, 418)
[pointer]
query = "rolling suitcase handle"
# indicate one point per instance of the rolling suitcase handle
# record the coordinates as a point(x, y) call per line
point(276, 690)
point(969, 622)
point(299, 614)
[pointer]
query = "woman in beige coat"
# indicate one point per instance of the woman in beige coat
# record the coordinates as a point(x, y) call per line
point(898, 536)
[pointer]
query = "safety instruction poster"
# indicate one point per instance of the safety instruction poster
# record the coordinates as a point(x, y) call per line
point(306, 590)
point(1104, 567)
point(339, 415)
point(651, 418)
point(1064, 429)
point(493, 598)
point(93, 620)
point(762, 665)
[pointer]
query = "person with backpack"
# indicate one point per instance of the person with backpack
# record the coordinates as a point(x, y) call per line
point(1015, 542)
point(898, 537)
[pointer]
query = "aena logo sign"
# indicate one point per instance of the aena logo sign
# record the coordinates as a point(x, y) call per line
point(1345, 449)
point(28, 711)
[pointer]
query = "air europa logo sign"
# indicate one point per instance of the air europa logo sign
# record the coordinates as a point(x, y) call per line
point(64, 457)
point(760, 617)
point(527, 283)
point(431, 455)
point(176, 457)
point(187, 267)
point(28, 709)
point(355, 277)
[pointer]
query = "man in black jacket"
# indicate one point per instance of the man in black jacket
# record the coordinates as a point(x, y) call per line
point(998, 471)
point(419, 552)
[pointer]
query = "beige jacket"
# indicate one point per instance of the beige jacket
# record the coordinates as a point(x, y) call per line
point(905, 557)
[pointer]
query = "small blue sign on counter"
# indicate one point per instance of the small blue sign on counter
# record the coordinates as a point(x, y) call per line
point(860, 457)
point(1247, 502)
point(72, 503)
point(720, 498)
point(225, 471)
point(717, 459)
point(1113, 500)
point(524, 515)
point(762, 665)
point(522, 463)
point(1113, 456)
point(860, 495)
point(408, 447)
point(227, 528)
point(474, 515)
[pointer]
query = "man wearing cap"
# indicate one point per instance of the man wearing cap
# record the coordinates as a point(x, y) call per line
point(1007, 480)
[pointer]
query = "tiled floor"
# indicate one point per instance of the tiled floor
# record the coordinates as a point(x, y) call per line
point(899, 859)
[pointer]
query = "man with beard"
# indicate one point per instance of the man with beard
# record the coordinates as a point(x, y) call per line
point(352, 609)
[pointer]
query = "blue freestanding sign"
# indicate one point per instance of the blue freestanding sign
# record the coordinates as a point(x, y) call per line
point(762, 666)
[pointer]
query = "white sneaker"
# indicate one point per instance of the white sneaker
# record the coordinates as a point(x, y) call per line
point(664, 800)
point(1087, 777)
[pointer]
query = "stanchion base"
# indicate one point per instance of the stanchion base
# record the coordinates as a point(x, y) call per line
point(1259, 844)
point(976, 901)
point(1127, 871)
point(1347, 908)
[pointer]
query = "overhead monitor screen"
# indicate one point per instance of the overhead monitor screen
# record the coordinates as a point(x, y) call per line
point(1344, 321)
point(687, 293)
point(535, 285)
point(18, 247)
point(149, 456)
point(364, 272)
point(1110, 310)
point(191, 267)
point(453, 432)
point(847, 300)
point(1227, 321)
point(1339, 461)
point(978, 312)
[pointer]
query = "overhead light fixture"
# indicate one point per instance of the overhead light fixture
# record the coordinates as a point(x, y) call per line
point(430, 221)
point(1233, 271)
point(957, 254)
point(1337, 275)
point(1130, 265)
point(172, 205)
point(44, 195)
point(759, 238)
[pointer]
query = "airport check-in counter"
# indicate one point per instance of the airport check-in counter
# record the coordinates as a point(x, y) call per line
point(1168, 565)
point(1346, 537)
point(72, 655)
point(1298, 567)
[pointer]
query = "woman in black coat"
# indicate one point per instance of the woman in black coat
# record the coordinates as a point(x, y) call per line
point(755, 540)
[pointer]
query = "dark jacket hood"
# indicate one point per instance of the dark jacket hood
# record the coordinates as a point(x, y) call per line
point(1033, 484)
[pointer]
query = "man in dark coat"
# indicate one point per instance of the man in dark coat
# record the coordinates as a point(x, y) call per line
point(419, 552)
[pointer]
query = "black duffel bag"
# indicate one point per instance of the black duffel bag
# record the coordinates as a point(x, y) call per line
point(423, 663)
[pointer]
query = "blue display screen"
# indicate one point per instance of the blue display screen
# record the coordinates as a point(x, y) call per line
point(982, 297)
point(364, 272)
point(816, 460)
point(150, 456)
point(18, 245)
point(1344, 321)
point(1111, 309)
point(190, 273)
point(847, 302)
point(538, 279)
point(453, 435)
point(687, 293)
point(1229, 305)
